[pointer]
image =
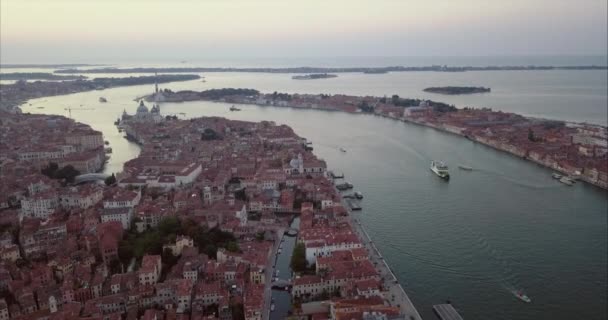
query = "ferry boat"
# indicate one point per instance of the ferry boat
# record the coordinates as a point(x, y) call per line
point(440, 169)
point(233, 108)
point(522, 296)
point(465, 168)
point(567, 181)
point(556, 176)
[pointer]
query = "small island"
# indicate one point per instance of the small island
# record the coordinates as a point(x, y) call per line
point(457, 90)
point(314, 76)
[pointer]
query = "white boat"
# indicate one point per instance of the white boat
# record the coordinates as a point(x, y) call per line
point(466, 168)
point(358, 195)
point(556, 176)
point(567, 181)
point(522, 296)
point(272, 307)
point(440, 169)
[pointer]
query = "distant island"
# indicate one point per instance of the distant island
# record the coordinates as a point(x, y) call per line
point(13, 95)
point(457, 90)
point(435, 68)
point(47, 66)
point(314, 76)
point(38, 76)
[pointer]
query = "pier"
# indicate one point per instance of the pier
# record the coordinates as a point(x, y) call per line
point(446, 312)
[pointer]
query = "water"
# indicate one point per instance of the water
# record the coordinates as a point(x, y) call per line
point(282, 298)
point(505, 225)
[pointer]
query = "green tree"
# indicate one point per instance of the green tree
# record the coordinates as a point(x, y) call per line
point(232, 246)
point(531, 135)
point(298, 258)
point(110, 180)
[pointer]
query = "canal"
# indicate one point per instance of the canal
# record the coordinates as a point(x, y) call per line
point(282, 298)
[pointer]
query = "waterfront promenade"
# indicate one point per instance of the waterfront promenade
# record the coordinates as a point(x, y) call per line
point(395, 293)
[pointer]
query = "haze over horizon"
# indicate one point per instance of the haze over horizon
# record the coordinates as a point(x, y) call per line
point(67, 31)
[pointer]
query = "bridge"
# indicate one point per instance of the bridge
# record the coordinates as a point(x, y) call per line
point(281, 284)
point(291, 232)
point(87, 177)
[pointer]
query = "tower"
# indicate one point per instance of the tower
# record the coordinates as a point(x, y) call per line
point(156, 83)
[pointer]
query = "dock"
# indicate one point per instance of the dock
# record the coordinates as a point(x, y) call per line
point(353, 205)
point(446, 312)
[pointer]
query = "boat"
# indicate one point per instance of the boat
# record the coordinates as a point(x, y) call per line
point(106, 142)
point(440, 169)
point(567, 181)
point(272, 307)
point(342, 149)
point(344, 186)
point(466, 168)
point(233, 108)
point(102, 99)
point(358, 195)
point(39, 107)
point(519, 294)
point(108, 150)
point(556, 176)
point(336, 175)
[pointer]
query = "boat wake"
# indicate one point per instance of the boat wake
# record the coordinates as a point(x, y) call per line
point(505, 177)
point(446, 268)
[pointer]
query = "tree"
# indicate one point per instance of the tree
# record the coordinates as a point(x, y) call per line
point(298, 259)
point(232, 246)
point(110, 180)
point(168, 226)
point(531, 135)
point(125, 252)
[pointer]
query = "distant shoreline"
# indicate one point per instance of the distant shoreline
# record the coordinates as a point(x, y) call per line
point(451, 90)
point(366, 70)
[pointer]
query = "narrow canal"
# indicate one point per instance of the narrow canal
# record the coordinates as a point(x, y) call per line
point(281, 298)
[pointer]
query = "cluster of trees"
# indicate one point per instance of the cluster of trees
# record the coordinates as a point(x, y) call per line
point(110, 180)
point(405, 102)
point(67, 173)
point(216, 94)
point(210, 134)
point(281, 96)
point(298, 260)
point(366, 107)
point(136, 245)
point(457, 90)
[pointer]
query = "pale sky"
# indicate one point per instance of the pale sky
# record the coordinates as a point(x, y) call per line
point(65, 31)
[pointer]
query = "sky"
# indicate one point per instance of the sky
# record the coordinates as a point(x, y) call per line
point(89, 31)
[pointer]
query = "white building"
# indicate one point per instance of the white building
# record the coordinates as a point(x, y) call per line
point(40, 205)
point(123, 215)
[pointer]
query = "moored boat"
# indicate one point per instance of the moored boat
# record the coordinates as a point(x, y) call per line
point(358, 195)
point(567, 181)
point(440, 169)
point(233, 108)
point(556, 176)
